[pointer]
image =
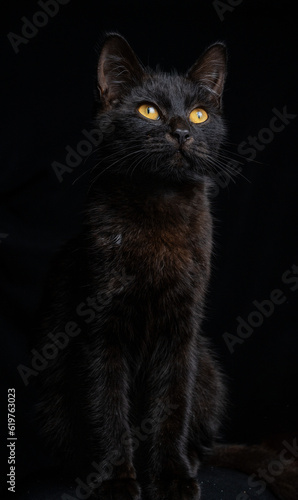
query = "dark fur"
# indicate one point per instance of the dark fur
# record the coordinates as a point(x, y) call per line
point(143, 261)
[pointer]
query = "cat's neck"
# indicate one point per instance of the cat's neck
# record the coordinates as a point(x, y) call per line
point(149, 204)
point(128, 191)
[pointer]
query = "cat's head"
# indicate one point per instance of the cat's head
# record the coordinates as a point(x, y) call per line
point(165, 126)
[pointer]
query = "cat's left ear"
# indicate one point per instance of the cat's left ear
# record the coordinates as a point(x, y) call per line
point(210, 71)
point(118, 69)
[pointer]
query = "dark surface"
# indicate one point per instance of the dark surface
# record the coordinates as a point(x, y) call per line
point(216, 484)
point(47, 98)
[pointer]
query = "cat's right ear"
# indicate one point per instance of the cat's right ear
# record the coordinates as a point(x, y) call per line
point(118, 69)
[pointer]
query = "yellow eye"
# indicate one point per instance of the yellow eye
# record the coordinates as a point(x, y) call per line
point(198, 115)
point(149, 111)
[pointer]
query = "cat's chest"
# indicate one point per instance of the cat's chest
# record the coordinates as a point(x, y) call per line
point(146, 242)
point(157, 249)
point(158, 238)
point(160, 250)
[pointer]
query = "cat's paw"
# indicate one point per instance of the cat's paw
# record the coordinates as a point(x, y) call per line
point(119, 489)
point(176, 489)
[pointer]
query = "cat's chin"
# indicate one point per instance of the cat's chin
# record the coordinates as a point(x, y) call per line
point(169, 177)
point(182, 168)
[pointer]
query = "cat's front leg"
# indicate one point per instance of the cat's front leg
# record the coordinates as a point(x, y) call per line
point(172, 472)
point(106, 408)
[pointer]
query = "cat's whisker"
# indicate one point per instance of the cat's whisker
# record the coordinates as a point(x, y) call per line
point(217, 167)
point(138, 161)
point(80, 176)
point(234, 171)
point(119, 159)
point(114, 154)
point(243, 159)
point(222, 154)
point(221, 166)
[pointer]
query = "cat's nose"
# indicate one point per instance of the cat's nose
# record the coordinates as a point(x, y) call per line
point(181, 134)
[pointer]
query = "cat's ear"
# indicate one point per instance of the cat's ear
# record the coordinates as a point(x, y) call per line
point(210, 71)
point(118, 69)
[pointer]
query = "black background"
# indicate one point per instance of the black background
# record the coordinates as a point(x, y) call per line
point(47, 97)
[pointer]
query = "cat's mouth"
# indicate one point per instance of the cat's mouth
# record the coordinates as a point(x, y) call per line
point(181, 156)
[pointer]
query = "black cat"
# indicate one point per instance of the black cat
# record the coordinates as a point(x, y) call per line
point(133, 400)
